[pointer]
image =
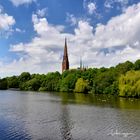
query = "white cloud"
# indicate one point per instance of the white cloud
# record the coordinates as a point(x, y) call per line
point(19, 30)
point(20, 2)
point(71, 19)
point(105, 45)
point(108, 4)
point(6, 23)
point(42, 12)
point(121, 4)
point(121, 29)
point(91, 8)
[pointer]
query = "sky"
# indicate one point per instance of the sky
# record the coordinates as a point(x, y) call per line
point(101, 32)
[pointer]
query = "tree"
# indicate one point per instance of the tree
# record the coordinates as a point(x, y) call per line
point(13, 82)
point(25, 76)
point(51, 82)
point(81, 86)
point(129, 84)
point(33, 85)
point(137, 65)
point(122, 68)
point(89, 75)
point(68, 83)
point(104, 81)
point(3, 84)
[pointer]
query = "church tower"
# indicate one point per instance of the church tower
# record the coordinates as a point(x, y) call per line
point(65, 62)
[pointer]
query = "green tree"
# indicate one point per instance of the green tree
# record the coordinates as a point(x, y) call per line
point(68, 83)
point(129, 84)
point(25, 76)
point(3, 84)
point(104, 82)
point(31, 85)
point(81, 86)
point(51, 82)
point(69, 78)
point(13, 82)
point(137, 65)
point(122, 68)
point(89, 75)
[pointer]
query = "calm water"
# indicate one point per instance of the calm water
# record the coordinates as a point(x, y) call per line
point(63, 116)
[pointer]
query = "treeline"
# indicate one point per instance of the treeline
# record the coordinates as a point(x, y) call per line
point(122, 80)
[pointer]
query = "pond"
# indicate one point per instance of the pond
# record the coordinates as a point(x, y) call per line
point(67, 116)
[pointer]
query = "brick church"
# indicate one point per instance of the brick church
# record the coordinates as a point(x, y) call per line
point(65, 62)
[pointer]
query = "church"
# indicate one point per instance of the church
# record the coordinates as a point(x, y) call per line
point(65, 61)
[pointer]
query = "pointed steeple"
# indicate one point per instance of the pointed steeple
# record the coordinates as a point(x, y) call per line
point(65, 41)
point(81, 64)
point(65, 49)
point(65, 63)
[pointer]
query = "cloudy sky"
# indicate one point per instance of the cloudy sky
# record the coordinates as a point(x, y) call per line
point(32, 33)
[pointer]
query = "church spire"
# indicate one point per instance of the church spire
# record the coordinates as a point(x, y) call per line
point(65, 48)
point(65, 62)
point(81, 64)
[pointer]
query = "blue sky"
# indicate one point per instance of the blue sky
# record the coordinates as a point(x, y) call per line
point(32, 32)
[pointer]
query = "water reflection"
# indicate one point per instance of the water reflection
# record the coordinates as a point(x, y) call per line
point(66, 123)
point(99, 100)
point(129, 103)
point(67, 116)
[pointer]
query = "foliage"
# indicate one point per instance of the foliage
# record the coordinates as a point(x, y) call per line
point(3, 84)
point(137, 65)
point(51, 82)
point(81, 86)
point(42, 89)
point(33, 85)
point(122, 80)
point(122, 68)
point(129, 84)
point(25, 76)
point(104, 82)
point(67, 84)
point(13, 82)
